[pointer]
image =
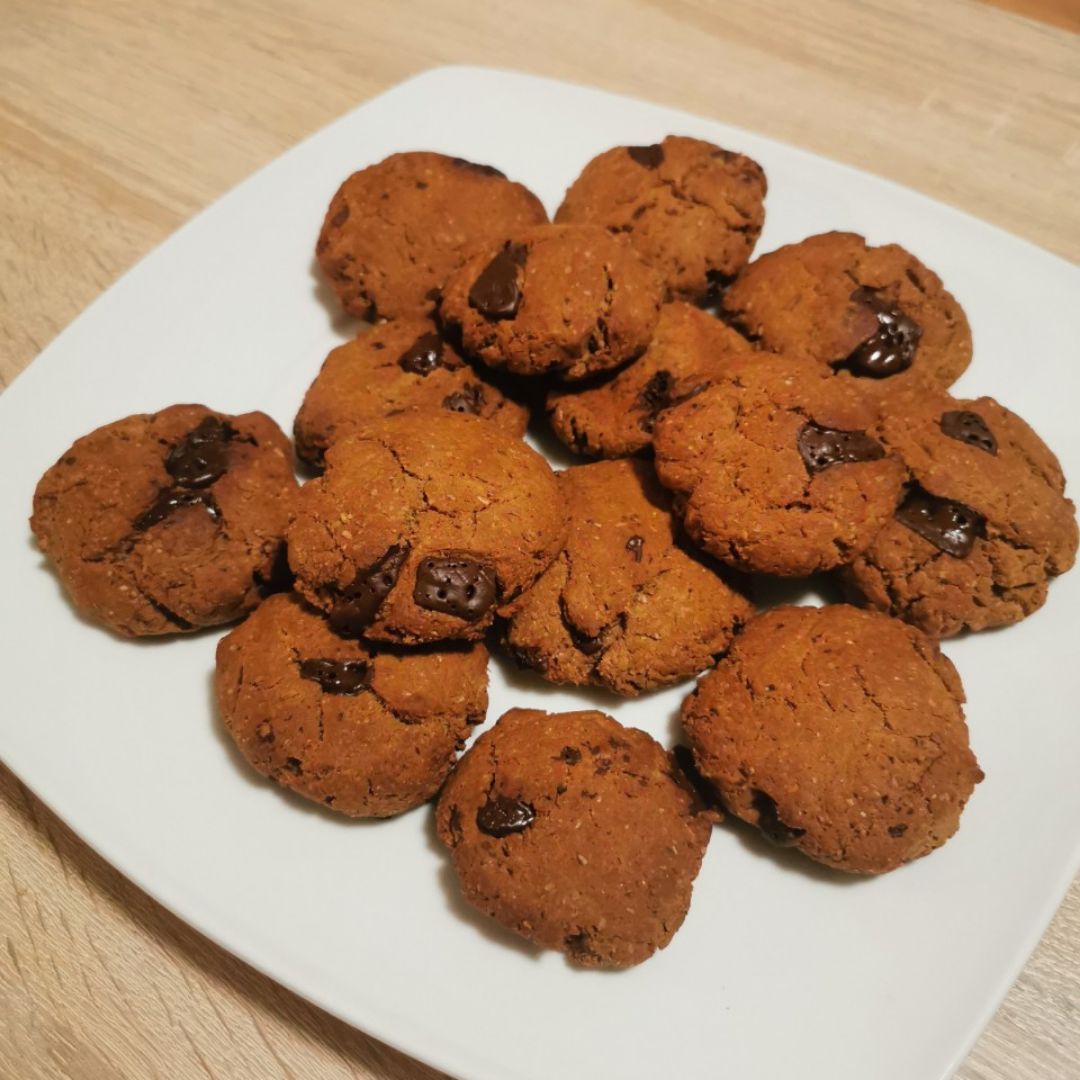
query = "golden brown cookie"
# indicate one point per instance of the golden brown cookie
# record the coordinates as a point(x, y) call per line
point(390, 369)
point(776, 467)
point(692, 210)
point(567, 299)
point(167, 522)
point(616, 417)
point(983, 525)
point(839, 732)
point(575, 832)
point(873, 314)
point(366, 730)
point(623, 606)
point(423, 527)
point(395, 231)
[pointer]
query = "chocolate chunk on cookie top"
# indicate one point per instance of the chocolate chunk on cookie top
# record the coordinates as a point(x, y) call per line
point(168, 522)
point(839, 732)
point(575, 832)
point(623, 605)
point(777, 468)
point(982, 526)
point(366, 730)
point(692, 210)
point(571, 300)
point(424, 527)
point(395, 231)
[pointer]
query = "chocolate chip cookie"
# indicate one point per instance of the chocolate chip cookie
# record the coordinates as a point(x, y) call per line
point(839, 732)
point(167, 522)
point(568, 299)
point(776, 467)
point(390, 369)
point(396, 230)
point(872, 314)
point(983, 524)
point(623, 606)
point(692, 210)
point(575, 832)
point(423, 527)
point(366, 730)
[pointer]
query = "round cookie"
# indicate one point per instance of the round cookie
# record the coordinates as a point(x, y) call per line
point(692, 210)
point(775, 469)
point(423, 527)
point(622, 606)
point(874, 314)
point(395, 231)
point(392, 368)
point(368, 731)
point(568, 299)
point(982, 527)
point(839, 732)
point(168, 522)
point(575, 832)
point(616, 417)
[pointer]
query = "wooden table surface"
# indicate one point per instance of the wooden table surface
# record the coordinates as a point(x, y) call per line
point(118, 120)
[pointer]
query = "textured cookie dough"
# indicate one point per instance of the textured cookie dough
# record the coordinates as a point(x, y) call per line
point(575, 832)
point(568, 299)
point(776, 467)
point(692, 210)
point(366, 730)
point(616, 417)
point(168, 522)
point(874, 314)
point(839, 732)
point(390, 369)
point(622, 606)
point(395, 231)
point(984, 523)
point(423, 527)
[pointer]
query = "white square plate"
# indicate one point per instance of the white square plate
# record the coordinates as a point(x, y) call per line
point(780, 971)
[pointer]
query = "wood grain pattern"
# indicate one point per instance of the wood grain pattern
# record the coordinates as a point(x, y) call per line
point(120, 119)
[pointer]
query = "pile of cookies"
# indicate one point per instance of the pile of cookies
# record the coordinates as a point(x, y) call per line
point(786, 416)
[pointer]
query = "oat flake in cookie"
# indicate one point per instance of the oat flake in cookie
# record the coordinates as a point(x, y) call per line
point(575, 832)
point(168, 522)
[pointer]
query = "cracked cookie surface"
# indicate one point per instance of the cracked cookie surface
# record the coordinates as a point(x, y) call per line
point(984, 524)
point(692, 210)
point(390, 369)
point(876, 315)
point(776, 469)
point(839, 732)
point(622, 606)
point(571, 300)
point(423, 527)
point(168, 522)
point(575, 832)
point(366, 730)
point(396, 230)
point(617, 417)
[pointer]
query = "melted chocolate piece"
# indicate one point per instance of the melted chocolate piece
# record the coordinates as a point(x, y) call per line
point(337, 676)
point(359, 602)
point(171, 499)
point(970, 428)
point(202, 455)
point(896, 831)
point(422, 356)
point(634, 546)
point(656, 393)
point(340, 217)
point(772, 828)
point(950, 526)
point(500, 816)
point(648, 157)
point(483, 170)
point(570, 754)
point(455, 586)
point(891, 348)
point(496, 293)
point(822, 447)
point(470, 399)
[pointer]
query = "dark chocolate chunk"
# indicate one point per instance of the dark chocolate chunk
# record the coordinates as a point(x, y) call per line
point(496, 293)
point(483, 170)
point(172, 499)
point(772, 828)
point(970, 428)
point(896, 831)
point(890, 349)
point(422, 357)
point(950, 526)
point(470, 399)
point(570, 754)
point(359, 602)
point(634, 546)
point(500, 816)
point(656, 393)
point(337, 676)
point(648, 157)
point(455, 585)
point(201, 456)
point(822, 447)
